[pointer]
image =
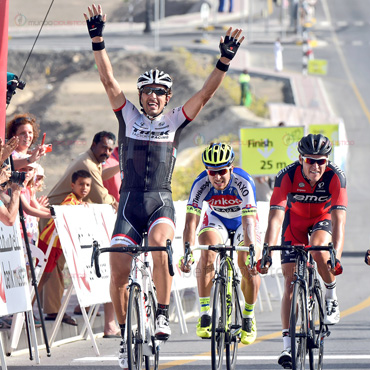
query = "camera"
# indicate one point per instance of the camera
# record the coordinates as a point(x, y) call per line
point(15, 176)
point(13, 82)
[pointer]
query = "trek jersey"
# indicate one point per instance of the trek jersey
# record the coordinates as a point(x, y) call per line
point(147, 149)
point(236, 200)
point(292, 191)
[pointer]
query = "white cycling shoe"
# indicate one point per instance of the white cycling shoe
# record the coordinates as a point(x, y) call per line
point(332, 313)
point(162, 328)
point(122, 356)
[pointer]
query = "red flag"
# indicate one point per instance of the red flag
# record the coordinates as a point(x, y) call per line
point(4, 21)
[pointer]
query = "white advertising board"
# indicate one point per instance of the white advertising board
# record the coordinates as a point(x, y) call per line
point(14, 286)
point(77, 227)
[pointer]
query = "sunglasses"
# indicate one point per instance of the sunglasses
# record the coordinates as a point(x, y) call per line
point(319, 161)
point(221, 172)
point(150, 90)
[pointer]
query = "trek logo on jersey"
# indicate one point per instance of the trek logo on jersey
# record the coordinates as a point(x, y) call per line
point(223, 201)
point(311, 198)
point(147, 134)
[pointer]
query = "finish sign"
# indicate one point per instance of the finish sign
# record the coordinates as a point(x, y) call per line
point(265, 151)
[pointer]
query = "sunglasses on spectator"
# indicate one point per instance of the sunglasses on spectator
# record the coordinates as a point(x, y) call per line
point(221, 172)
point(150, 90)
point(319, 161)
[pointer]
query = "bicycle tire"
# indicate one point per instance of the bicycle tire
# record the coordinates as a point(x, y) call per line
point(218, 323)
point(151, 314)
point(298, 327)
point(134, 334)
point(316, 322)
point(233, 333)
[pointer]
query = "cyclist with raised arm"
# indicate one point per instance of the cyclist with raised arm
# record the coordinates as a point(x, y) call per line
point(309, 202)
point(231, 196)
point(148, 143)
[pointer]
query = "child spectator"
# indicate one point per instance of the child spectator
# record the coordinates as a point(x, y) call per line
point(81, 185)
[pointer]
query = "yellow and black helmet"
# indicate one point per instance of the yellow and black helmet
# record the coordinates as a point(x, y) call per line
point(218, 155)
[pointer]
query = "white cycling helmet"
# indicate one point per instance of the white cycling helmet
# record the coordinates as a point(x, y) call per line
point(154, 76)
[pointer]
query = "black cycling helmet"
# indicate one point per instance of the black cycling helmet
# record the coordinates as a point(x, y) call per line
point(314, 145)
point(218, 155)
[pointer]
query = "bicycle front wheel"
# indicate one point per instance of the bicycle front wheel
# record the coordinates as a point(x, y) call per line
point(151, 341)
point(298, 328)
point(234, 333)
point(134, 331)
point(316, 322)
point(218, 324)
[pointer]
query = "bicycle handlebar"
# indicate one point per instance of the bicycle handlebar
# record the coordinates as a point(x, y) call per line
point(299, 248)
point(220, 248)
point(132, 249)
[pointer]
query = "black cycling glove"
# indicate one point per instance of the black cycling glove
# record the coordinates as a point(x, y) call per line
point(95, 25)
point(366, 255)
point(229, 47)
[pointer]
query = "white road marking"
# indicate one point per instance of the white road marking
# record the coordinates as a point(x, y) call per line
point(208, 358)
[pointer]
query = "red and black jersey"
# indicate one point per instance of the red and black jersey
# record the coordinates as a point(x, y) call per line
point(292, 191)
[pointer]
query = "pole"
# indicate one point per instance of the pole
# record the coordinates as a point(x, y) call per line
point(32, 270)
point(4, 16)
point(148, 17)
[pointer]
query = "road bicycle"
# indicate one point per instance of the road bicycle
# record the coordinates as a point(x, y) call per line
point(306, 324)
point(226, 311)
point(142, 303)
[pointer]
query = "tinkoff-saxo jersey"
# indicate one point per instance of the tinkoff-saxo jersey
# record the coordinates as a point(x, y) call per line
point(148, 149)
point(236, 200)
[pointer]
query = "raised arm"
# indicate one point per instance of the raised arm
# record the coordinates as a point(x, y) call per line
point(228, 47)
point(95, 24)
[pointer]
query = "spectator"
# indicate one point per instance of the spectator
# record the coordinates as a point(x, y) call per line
point(112, 184)
point(278, 52)
point(80, 185)
point(90, 161)
point(25, 127)
point(245, 88)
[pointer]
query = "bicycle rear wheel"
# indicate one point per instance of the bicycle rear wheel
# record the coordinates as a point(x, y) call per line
point(150, 337)
point(316, 322)
point(234, 332)
point(134, 334)
point(298, 328)
point(218, 324)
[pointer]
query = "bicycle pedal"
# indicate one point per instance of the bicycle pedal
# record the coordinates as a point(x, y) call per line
point(162, 337)
point(287, 365)
point(206, 338)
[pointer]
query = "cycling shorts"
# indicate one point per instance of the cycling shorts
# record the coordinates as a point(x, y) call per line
point(296, 230)
point(211, 222)
point(138, 212)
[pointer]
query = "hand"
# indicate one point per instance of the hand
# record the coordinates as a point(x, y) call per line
point(367, 257)
point(37, 153)
point(5, 174)
point(95, 21)
point(43, 200)
point(186, 268)
point(338, 268)
point(8, 148)
point(268, 264)
point(230, 45)
point(253, 271)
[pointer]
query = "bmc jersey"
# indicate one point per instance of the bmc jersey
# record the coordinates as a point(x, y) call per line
point(147, 149)
point(292, 191)
point(236, 200)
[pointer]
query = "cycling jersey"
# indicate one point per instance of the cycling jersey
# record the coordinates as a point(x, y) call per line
point(293, 191)
point(236, 200)
point(148, 149)
point(307, 209)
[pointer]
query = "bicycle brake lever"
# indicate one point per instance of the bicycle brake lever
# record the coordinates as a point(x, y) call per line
point(169, 257)
point(95, 258)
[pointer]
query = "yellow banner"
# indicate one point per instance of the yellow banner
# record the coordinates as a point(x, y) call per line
point(265, 151)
